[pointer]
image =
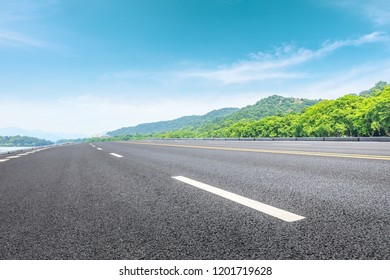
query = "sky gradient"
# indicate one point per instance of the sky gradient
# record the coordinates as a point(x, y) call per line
point(91, 66)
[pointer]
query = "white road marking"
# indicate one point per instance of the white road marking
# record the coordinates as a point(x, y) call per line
point(115, 155)
point(100, 149)
point(267, 209)
point(3, 160)
point(295, 144)
point(13, 157)
point(25, 154)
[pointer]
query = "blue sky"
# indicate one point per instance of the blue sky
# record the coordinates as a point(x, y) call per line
point(95, 65)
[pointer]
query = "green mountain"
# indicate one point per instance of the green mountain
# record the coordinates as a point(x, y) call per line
point(364, 114)
point(180, 123)
point(377, 89)
point(349, 115)
point(274, 105)
point(270, 106)
point(22, 141)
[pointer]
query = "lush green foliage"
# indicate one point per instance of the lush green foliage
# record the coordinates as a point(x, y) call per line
point(163, 126)
point(216, 120)
point(377, 89)
point(22, 141)
point(121, 138)
point(78, 140)
point(366, 114)
point(350, 115)
point(274, 105)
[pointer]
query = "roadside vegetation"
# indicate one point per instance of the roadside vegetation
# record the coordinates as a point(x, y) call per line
point(365, 114)
point(22, 141)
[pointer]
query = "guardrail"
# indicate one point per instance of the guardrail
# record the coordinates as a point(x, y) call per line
point(30, 149)
point(351, 139)
point(17, 151)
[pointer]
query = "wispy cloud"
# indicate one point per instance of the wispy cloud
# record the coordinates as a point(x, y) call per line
point(8, 38)
point(278, 64)
point(338, 83)
point(127, 75)
point(16, 15)
point(378, 11)
point(87, 114)
point(21, 10)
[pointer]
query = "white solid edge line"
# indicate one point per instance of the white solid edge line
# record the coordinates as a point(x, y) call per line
point(100, 149)
point(115, 155)
point(264, 208)
point(13, 157)
point(3, 160)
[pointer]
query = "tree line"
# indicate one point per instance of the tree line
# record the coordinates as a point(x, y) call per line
point(353, 115)
point(22, 141)
point(350, 115)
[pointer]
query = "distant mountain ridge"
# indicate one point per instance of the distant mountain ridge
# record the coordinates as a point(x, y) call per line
point(164, 126)
point(377, 89)
point(351, 115)
point(52, 136)
point(269, 106)
point(22, 141)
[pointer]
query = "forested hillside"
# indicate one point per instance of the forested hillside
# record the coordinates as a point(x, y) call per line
point(270, 106)
point(363, 114)
point(22, 141)
point(377, 89)
point(163, 126)
point(274, 105)
point(350, 115)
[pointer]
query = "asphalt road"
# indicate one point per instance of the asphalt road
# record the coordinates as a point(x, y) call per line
point(122, 202)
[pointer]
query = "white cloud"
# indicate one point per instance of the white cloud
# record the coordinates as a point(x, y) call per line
point(277, 65)
point(16, 11)
point(88, 114)
point(129, 75)
point(378, 11)
point(20, 10)
point(91, 114)
point(16, 39)
point(339, 83)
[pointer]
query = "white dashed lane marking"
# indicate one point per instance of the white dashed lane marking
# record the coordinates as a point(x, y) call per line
point(261, 207)
point(22, 154)
point(116, 155)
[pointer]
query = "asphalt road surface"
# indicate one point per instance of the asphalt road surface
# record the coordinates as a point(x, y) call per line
point(197, 200)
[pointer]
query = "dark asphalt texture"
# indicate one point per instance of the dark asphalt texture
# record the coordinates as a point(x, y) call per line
point(76, 202)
